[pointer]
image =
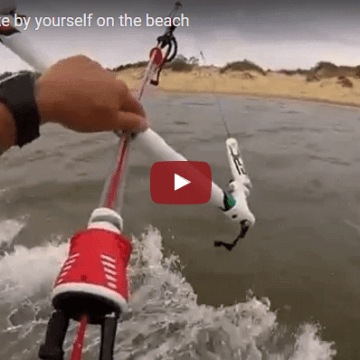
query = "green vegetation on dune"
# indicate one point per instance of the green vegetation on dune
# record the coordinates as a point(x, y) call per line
point(328, 70)
point(293, 72)
point(136, 65)
point(244, 65)
point(182, 64)
point(324, 70)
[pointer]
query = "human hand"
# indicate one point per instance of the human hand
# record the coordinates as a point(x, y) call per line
point(81, 95)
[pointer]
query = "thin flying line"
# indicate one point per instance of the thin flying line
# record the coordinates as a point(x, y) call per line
point(223, 117)
point(219, 106)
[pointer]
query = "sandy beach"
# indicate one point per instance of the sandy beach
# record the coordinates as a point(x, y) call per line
point(272, 85)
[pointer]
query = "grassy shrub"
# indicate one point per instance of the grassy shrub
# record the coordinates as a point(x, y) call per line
point(247, 76)
point(287, 72)
point(302, 71)
point(180, 64)
point(242, 66)
point(325, 66)
point(326, 70)
point(136, 65)
point(293, 72)
point(312, 77)
point(345, 82)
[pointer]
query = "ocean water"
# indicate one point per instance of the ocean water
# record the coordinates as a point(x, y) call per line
point(289, 290)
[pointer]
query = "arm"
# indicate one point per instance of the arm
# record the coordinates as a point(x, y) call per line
point(7, 129)
point(80, 95)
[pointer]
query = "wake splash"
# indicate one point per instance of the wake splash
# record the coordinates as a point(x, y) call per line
point(164, 321)
point(9, 229)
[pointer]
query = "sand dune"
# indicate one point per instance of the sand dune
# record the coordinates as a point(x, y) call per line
point(330, 90)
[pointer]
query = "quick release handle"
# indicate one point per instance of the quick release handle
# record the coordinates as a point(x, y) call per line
point(235, 202)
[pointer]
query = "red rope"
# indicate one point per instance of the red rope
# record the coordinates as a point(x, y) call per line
point(79, 341)
point(118, 174)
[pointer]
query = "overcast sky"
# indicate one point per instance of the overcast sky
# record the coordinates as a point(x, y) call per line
point(273, 34)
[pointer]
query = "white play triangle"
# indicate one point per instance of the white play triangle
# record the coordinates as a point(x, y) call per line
point(180, 182)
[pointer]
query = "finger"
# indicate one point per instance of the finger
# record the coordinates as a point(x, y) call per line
point(130, 104)
point(80, 62)
point(128, 121)
point(128, 101)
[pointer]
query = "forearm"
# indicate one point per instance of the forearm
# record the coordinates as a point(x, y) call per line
point(7, 129)
point(8, 125)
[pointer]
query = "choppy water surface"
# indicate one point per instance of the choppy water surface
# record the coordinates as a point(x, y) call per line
point(290, 290)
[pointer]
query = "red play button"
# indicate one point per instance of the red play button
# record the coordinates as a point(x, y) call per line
point(180, 182)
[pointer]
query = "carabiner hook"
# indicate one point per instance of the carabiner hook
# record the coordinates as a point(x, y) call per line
point(167, 41)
